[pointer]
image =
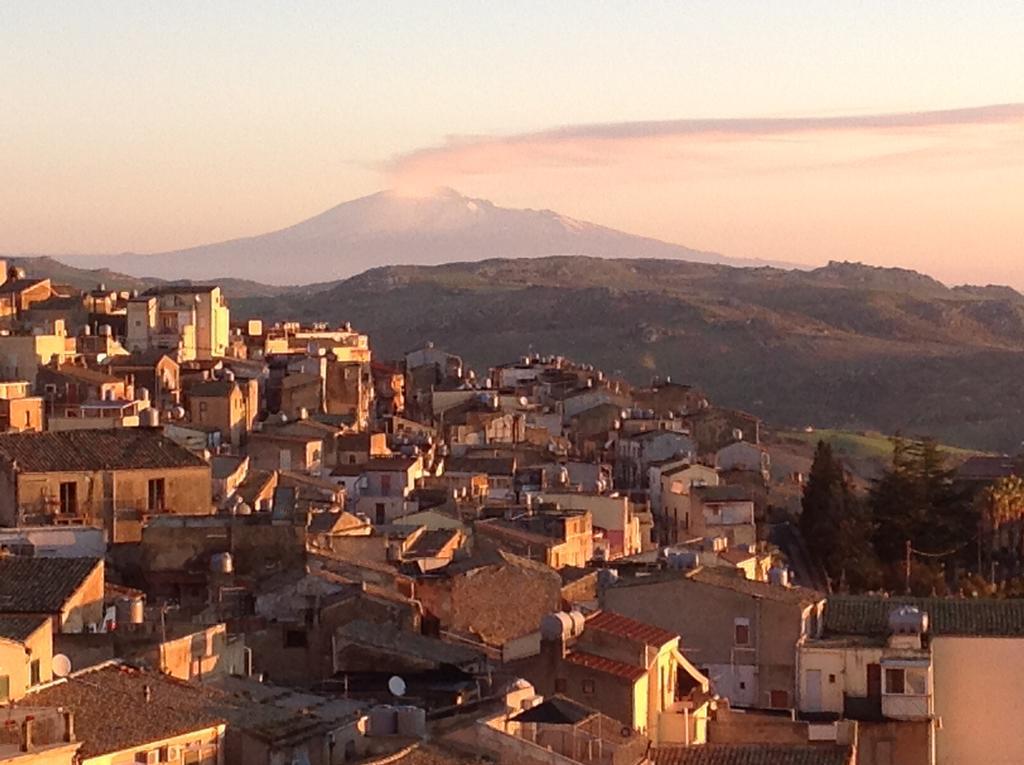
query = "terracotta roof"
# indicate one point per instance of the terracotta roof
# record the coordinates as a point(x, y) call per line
point(84, 374)
point(869, 615)
point(629, 629)
point(755, 754)
point(41, 585)
point(111, 711)
point(20, 628)
point(619, 669)
point(89, 450)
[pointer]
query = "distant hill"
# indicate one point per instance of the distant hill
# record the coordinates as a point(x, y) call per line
point(846, 345)
point(90, 278)
point(391, 229)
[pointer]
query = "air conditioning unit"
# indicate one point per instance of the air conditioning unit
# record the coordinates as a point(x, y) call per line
point(172, 754)
point(152, 757)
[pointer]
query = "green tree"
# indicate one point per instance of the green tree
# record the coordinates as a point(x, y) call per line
point(835, 524)
point(915, 501)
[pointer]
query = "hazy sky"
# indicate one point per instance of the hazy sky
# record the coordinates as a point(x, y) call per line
point(743, 127)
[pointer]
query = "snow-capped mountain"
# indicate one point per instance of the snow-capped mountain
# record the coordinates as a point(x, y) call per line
point(389, 228)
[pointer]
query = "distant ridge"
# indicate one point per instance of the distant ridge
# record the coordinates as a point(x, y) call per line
point(389, 228)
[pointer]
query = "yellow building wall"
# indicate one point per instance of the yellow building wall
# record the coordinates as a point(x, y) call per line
point(979, 697)
point(209, 741)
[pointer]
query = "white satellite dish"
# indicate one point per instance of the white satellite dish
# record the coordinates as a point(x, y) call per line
point(397, 686)
point(61, 665)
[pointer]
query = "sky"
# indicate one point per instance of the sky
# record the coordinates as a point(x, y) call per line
point(889, 133)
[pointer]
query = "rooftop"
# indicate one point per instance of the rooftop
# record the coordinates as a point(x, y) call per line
point(730, 580)
point(869, 615)
point(723, 493)
point(112, 713)
point(623, 627)
point(20, 628)
point(90, 450)
point(41, 585)
point(631, 672)
point(391, 639)
point(755, 754)
point(556, 711)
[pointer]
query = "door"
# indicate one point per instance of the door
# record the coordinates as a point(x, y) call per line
point(874, 681)
point(812, 691)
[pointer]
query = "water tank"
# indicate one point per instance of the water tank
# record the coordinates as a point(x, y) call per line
point(243, 508)
point(682, 560)
point(779, 575)
point(579, 621)
point(908, 620)
point(142, 394)
point(383, 721)
point(87, 330)
point(222, 563)
point(105, 330)
point(149, 418)
point(130, 610)
point(303, 413)
point(412, 721)
point(556, 626)
point(178, 412)
point(737, 435)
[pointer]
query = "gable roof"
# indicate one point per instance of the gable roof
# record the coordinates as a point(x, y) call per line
point(89, 450)
point(41, 585)
point(623, 627)
point(869, 615)
point(755, 754)
point(111, 711)
point(20, 628)
point(620, 669)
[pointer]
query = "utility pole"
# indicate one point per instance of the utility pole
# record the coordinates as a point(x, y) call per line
point(906, 588)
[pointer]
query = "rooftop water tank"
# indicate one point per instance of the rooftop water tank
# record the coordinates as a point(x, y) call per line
point(222, 563)
point(556, 626)
point(908, 620)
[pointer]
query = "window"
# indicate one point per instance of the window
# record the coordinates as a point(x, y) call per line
point(69, 497)
point(561, 685)
point(35, 676)
point(295, 639)
point(588, 686)
point(741, 632)
point(382, 516)
point(5, 688)
point(157, 495)
point(778, 700)
point(895, 681)
point(832, 679)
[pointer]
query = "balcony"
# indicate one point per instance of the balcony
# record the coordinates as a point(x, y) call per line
point(906, 706)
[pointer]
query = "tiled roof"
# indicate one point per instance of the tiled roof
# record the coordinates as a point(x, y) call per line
point(619, 669)
point(869, 615)
point(89, 450)
point(41, 585)
point(84, 374)
point(111, 711)
point(755, 754)
point(629, 629)
point(20, 628)
point(490, 465)
point(731, 580)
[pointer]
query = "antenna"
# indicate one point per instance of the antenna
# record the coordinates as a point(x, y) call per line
point(396, 685)
point(61, 665)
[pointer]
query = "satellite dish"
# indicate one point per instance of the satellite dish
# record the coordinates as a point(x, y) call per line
point(396, 685)
point(61, 665)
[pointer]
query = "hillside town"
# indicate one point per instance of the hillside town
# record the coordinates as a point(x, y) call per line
point(244, 543)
